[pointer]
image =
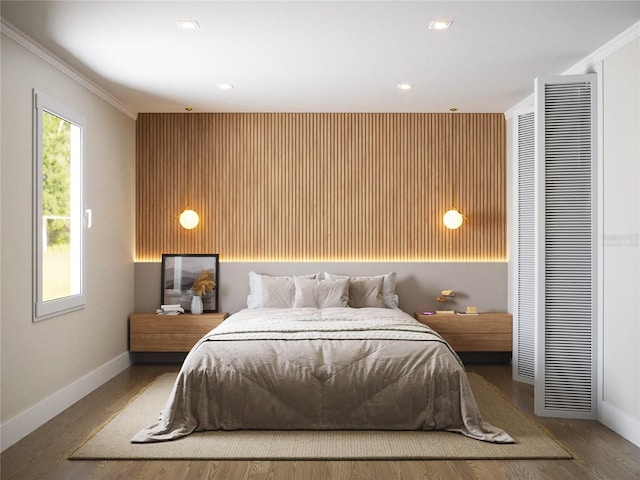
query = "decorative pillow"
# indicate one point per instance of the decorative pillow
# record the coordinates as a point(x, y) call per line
point(321, 293)
point(277, 292)
point(266, 291)
point(365, 292)
point(389, 296)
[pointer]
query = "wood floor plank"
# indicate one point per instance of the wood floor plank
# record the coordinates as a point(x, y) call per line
point(601, 453)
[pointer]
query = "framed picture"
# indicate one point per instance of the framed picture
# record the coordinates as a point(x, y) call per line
point(178, 273)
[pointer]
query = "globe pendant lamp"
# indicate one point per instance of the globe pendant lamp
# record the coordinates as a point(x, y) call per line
point(453, 218)
point(188, 218)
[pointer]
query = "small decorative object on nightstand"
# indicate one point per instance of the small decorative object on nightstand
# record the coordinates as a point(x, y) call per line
point(444, 297)
point(202, 284)
point(196, 305)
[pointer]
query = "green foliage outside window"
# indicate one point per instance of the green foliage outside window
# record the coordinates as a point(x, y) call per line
point(56, 178)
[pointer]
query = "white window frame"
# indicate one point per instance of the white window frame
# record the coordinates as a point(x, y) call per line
point(51, 308)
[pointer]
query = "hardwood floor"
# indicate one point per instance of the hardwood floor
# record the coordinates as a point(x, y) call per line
point(600, 453)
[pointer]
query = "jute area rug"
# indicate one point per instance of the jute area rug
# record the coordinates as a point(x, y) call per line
point(111, 442)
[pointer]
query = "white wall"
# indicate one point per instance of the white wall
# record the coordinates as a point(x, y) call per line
point(46, 365)
point(620, 407)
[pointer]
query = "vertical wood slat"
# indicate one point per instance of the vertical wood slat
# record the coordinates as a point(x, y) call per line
point(323, 187)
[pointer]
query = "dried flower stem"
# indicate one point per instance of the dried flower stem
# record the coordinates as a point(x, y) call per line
point(203, 283)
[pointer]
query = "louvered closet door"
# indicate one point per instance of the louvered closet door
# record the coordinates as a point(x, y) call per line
point(565, 376)
point(524, 319)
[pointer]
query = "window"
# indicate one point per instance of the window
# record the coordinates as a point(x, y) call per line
point(58, 208)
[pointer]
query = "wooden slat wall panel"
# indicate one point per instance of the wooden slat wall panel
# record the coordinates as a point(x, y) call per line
point(321, 187)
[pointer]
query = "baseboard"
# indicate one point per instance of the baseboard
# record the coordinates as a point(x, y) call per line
point(620, 422)
point(26, 422)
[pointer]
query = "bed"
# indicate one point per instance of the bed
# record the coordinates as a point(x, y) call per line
point(321, 354)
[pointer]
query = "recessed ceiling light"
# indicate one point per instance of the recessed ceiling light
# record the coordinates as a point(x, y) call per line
point(440, 24)
point(224, 86)
point(405, 86)
point(188, 24)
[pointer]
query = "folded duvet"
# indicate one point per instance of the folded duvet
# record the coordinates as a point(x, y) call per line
point(334, 368)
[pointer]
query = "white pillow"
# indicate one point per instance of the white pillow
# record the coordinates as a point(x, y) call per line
point(277, 292)
point(266, 291)
point(321, 293)
point(254, 300)
point(389, 296)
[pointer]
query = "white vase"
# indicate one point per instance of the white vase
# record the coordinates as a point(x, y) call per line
point(196, 305)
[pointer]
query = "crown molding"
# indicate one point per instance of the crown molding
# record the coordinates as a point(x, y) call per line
point(588, 63)
point(32, 46)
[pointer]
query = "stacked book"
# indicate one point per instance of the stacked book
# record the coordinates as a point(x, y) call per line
point(170, 310)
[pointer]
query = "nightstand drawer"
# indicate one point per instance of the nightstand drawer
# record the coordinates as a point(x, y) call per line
point(478, 342)
point(163, 342)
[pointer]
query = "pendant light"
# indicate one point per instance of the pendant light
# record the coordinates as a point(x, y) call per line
point(188, 218)
point(453, 218)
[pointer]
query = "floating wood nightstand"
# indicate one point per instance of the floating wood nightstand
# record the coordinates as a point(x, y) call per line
point(484, 332)
point(149, 332)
